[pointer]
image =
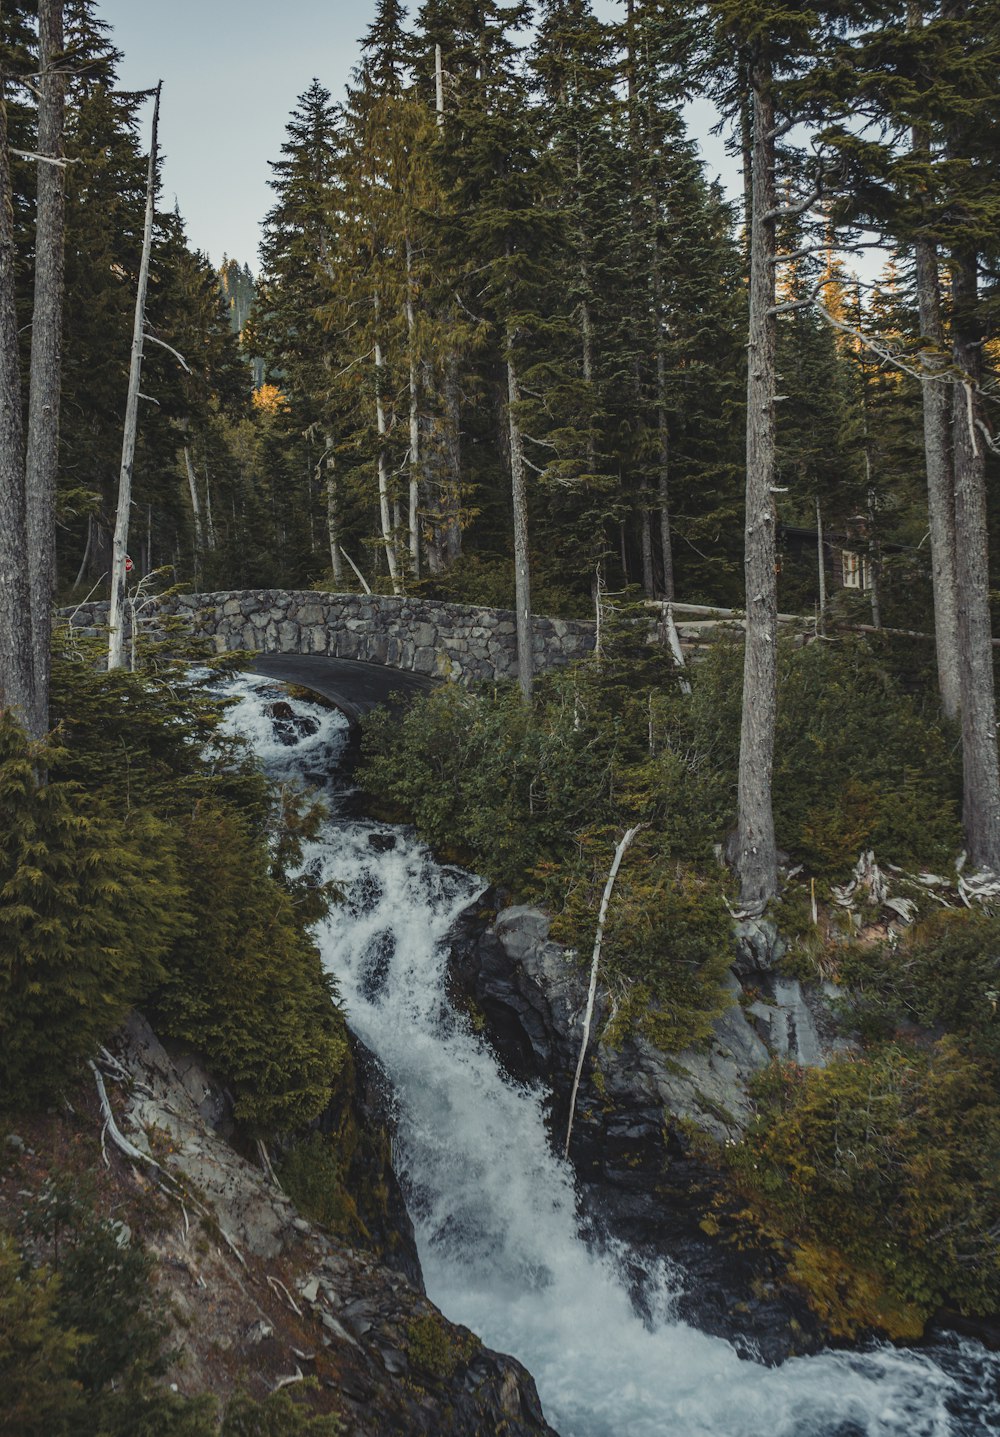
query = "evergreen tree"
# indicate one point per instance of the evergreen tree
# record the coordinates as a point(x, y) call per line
point(298, 256)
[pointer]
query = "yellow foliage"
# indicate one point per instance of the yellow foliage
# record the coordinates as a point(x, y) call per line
point(268, 400)
point(848, 1298)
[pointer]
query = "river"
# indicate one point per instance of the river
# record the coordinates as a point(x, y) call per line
point(495, 1209)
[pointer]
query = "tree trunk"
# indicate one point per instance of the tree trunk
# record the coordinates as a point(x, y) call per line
point(821, 570)
point(937, 401)
point(209, 521)
point(42, 458)
point(333, 513)
point(646, 544)
point(17, 675)
point(388, 536)
point(757, 858)
point(453, 457)
point(522, 573)
point(980, 769)
point(199, 532)
point(119, 552)
point(415, 472)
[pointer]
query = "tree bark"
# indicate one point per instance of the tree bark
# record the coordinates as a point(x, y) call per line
point(937, 401)
point(453, 457)
point(199, 531)
point(388, 536)
point(821, 570)
point(756, 854)
point(45, 386)
point(646, 548)
point(980, 766)
point(595, 961)
point(415, 470)
point(119, 551)
point(17, 675)
point(522, 572)
point(333, 513)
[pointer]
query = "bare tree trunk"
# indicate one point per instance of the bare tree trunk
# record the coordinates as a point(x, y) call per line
point(620, 851)
point(522, 572)
point(199, 532)
point(42, 458)
point(980, 769)
point(646, 543)
point(116, 614)
point(937, 450)
point(388, 536)
point(86, 553)
point(333, 513)
point(940, 479)
point(821, 570)
point(415, 470)
point(756, 854)
point(17, 673)
point(874, 575)
point(662, 427)
point(453, 457)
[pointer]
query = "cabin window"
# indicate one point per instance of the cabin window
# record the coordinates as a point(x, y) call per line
point(855, 569)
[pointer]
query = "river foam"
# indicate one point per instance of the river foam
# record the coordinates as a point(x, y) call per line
point(495, 1209)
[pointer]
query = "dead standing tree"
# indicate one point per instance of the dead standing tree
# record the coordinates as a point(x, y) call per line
point(756, 858)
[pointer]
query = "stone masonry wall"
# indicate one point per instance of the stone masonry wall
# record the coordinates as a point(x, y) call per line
point(454, 641)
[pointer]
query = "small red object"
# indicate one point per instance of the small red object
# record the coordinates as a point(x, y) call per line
point(129, 566)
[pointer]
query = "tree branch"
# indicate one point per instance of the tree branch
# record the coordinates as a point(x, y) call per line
point(163, 345)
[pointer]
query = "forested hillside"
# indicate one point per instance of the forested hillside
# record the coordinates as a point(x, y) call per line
point(510, 345)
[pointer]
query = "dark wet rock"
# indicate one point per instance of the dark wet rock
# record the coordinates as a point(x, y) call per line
point(289, 726)
point(639, 1175)
point(375, 964)
point(382, 842)
point(984, 1329)
point(364, 894)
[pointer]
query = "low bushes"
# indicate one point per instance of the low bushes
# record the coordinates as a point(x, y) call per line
point(880, 1172)
point(143, 859)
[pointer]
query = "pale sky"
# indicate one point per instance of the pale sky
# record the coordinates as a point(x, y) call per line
point(232, 71)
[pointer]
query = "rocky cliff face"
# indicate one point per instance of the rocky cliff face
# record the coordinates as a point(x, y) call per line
point(258, 1296)
point(639, 1111)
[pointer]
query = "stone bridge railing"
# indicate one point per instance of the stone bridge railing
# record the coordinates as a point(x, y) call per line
point(424, 636)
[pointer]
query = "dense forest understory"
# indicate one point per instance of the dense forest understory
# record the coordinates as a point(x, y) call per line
point(509, 346)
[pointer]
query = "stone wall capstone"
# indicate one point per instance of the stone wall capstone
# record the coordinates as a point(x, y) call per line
point(461, 642)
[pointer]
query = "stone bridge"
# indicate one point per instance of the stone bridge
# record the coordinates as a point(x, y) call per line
point(425, 638)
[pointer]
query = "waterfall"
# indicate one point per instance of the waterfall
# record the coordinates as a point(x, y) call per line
point(494, 1208)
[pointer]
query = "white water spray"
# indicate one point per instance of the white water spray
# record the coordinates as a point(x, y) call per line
point(495, 1210)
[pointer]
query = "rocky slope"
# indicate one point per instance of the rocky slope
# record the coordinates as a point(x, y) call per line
point(639, 1112)
point(259, 1297)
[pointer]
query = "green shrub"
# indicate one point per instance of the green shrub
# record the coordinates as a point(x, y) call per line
point(667, 942)
point(39, 1393)
point(278, 1415)
point(944, 973)
point(857, 763)
point(90, 903)
point(312, 1174)
point(245, 984)
point(436, 1349)
point(881, 1172)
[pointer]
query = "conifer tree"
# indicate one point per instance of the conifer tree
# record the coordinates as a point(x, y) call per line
point(298, 256)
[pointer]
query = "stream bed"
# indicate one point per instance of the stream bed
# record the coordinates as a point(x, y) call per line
point(494, 1208)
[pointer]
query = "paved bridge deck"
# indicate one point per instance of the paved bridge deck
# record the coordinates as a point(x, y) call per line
point(354, 687)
